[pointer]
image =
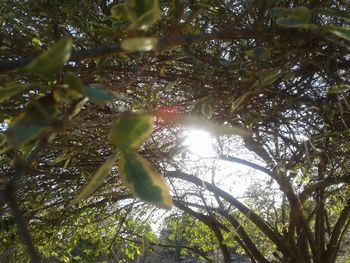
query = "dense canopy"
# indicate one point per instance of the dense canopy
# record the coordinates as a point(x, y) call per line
point(97, 98)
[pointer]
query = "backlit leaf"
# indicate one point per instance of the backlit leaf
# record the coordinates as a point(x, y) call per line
point(138, 175)
point(97, 180)
point(131, 130)
point(52, 60)
point(36, 42)
point(140, 44)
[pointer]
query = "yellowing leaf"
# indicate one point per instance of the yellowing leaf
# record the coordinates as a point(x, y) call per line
point(36, 42)
point(52, 60)
point(132, 129)
point(138, 175)
point(162, 72)
point(97, 180)
point(140, 44)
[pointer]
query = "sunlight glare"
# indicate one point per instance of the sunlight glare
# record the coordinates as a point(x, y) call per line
point(200, 143)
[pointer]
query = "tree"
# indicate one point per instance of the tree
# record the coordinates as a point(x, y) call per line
point(108, 88)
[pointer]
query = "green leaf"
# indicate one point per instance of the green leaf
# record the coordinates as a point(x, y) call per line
point(97, 180)
point(33, 122)
point(36, 42)
point(8, 92)
point(138, 175)
point(339, 88)
point(121, 12)
point(342, 32)
point(268, 79)
point(75, 88)
point(141, 14)
point(260, 52)
point(291, 22)
point(140, 44)
point(301, 13)
point(52, 60)
point(151, 236)
point(148, 13)
point(239, 101)
point(97, 94)
point(130, 132)
point(207, 108)
point(63, 157)
point(229, 238)
point(298, 17)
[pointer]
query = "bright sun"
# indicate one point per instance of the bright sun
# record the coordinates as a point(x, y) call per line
point(200, 143)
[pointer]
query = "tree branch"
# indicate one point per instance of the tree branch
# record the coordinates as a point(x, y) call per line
point(247, 163)
point(276, 238)
point(249, 245)
point(21, 225)
point(109, 50)
point(332, 247)
point(213, 225)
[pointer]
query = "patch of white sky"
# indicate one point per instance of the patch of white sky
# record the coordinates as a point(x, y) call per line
point(201, 159)
point(232, 177)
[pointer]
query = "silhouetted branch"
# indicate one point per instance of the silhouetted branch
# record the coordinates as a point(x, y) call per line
point(247, 163)
point(276, 238)
point(109, 50)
